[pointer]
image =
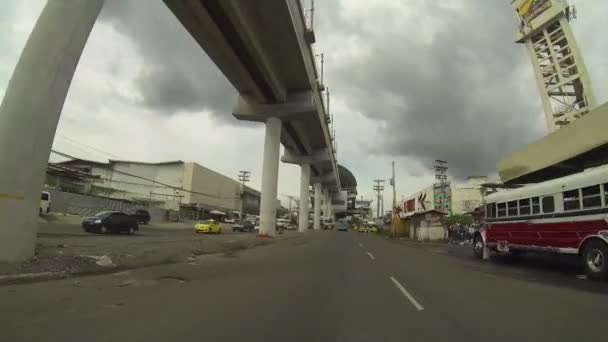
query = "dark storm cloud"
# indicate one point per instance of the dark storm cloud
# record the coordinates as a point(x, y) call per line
point(442, 82)
point(179, 76)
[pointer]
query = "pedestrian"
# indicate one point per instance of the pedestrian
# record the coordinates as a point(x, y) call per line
point(471, 232)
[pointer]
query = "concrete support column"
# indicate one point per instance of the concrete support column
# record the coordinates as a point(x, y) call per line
point(326, 206)
point(270, 175)
point(330, 211)
point(29, 115)
point(304, 197)
point(317, 216)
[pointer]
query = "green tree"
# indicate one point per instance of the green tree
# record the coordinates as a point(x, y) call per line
point(458, 218)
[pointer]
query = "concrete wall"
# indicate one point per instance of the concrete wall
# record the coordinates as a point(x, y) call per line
point(433, 233)
point(220, 191)
point(123, 186)
point(83, 205)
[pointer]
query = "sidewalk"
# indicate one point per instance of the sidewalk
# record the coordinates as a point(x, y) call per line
point(103, 254)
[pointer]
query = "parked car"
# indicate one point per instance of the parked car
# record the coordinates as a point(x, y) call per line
point(282, 223)
point(142, 216)
point(372, 227)
point(208, 227)
point(247, 226)
point(342, 226)
point(110, 222)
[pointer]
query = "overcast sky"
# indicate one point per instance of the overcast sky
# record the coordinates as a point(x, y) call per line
point(412, 81)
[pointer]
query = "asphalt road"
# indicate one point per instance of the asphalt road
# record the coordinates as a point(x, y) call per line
point(324, 286)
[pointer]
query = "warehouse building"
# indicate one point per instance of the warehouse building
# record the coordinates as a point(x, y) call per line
point(189, 189)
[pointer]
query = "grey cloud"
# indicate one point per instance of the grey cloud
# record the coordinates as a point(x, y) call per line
point(459, 97)
point(179, 76)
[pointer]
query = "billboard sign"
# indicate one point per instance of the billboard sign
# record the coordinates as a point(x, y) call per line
point(530, 9)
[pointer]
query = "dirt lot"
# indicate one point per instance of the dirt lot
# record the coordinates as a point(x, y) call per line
point(64, 249)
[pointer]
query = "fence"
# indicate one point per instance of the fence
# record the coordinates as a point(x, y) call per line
point(83, 205)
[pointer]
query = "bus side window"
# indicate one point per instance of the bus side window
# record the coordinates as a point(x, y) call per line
point(606, 194)
point(592, 197)
point(535, 205)
point(512, 208)
point(548, 204)
point(501, 209)
point(524, 206)
point(571, 200)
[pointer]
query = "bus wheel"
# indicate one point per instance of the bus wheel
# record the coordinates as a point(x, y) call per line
point(478, 247)
point(594, 258)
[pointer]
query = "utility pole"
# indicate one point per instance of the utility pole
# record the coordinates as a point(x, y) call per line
point(378, 187)
point(394, 191)
point(244, 178)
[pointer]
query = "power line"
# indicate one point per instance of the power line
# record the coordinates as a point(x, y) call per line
point(89, 146)
point(147, 179)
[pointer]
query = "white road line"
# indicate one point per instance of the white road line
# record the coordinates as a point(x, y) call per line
point(407, 294)
point(370, 255)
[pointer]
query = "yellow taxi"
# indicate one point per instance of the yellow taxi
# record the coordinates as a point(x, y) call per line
point(372, 227)
point(208, 227)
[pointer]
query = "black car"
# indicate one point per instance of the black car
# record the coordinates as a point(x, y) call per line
point(247, 226)
point(110, 222)
point(143, 216)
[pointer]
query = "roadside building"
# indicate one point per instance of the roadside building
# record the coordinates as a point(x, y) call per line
point(189, 189)
point(451, 198)
point(426, 225)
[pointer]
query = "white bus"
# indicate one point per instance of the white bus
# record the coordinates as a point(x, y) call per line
point(567, 215)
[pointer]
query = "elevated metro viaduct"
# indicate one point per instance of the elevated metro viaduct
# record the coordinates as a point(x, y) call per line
point(263, 47)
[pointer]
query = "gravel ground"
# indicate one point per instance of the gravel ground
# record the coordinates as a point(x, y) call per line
point(63, 249)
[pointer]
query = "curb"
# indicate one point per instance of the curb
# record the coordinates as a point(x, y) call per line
point(29, 277)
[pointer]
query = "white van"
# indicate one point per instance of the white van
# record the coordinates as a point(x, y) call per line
point(45, 202)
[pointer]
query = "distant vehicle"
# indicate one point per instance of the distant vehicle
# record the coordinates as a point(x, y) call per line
point(328, 224)
point(142, 216)
point(247, 226)
point(566, 215)
point(362, 229)
point(45, 202)
point(342, 226)
point(106, 222)
point(283, 223)
point(229, 220)
point(208, 227)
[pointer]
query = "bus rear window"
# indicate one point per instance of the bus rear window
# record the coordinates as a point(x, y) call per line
point(501, 209)
point(44, 197)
